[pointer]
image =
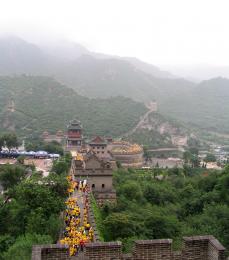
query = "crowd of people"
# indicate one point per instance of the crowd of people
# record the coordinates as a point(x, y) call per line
point(77, 231)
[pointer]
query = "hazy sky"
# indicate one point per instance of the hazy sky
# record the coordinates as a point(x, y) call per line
point(157, 31)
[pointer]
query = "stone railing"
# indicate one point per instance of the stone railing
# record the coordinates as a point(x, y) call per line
point(92, 219)
point(194, 248)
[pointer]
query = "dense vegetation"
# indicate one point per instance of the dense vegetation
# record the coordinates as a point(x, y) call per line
point(30, 208)
point(41, 103)
point(186, 202)
point(204, 105)
point(151, 138)
point(91, 74)
point(50, 147)
point(9, 140)
point(114, 77)
point(158, 131)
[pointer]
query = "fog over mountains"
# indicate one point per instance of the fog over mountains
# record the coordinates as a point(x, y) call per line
point(91, 74)
point(98, 75)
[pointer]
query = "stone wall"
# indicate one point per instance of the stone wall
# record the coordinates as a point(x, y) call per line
point(202, 248)
point(104, 251)
point(176, 256)
point(50, 252)
point(215, 249)
point(129, 158)
point(194, 248)
point(159, 249)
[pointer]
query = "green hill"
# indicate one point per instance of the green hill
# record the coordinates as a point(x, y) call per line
point(205, 107)
point(111, 77)
point(31, 104)
point(90, 74)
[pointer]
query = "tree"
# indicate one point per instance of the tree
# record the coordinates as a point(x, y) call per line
point(36, 222)
point(5, 242)
point(34, 195)
point(214, 221)
point(60, 167)
point(210, 158)
point(57, 184)
point(118, 225)
point(10, 140)
point(52, 147)
point(195, 161)
point(22, 248)
point(159, 225)
point(21, 159)
point(187, 156)
point(159, 194)
point(10, 175)
point(131, 190)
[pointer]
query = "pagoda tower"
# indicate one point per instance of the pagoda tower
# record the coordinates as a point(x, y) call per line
point(74, 136)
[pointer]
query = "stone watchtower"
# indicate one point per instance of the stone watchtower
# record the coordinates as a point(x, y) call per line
point(74, 136)
point(99, 174)
point(99, 146)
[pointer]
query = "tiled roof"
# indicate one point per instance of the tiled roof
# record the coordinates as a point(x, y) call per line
point(98, 140)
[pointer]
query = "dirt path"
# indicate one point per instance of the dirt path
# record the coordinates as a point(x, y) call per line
point(80, 196)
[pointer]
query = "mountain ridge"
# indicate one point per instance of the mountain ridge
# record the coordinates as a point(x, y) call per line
point(109, 77)
point(30, 105)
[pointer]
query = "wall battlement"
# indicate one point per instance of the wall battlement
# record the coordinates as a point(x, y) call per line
point(194, 248)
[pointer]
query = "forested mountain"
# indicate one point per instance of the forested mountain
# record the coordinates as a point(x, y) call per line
point(19, 56)
point(97, 75)
point(91, 74)
point(206, 106)
point(31, 104)
point(112, 77)
point(149, 68)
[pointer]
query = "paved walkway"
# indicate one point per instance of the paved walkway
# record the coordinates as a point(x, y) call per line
point(80, 196)
point(77, 233)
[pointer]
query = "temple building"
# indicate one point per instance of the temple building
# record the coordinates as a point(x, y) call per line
point(74, 139)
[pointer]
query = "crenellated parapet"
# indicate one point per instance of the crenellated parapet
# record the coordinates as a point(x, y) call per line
point(194, 248)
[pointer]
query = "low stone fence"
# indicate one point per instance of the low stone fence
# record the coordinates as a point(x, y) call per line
point(50, 252)
point(92, 220)
point(194, 248)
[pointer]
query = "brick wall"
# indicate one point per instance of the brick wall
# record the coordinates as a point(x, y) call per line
point(202, 248)
point(194, 248)
point(159, 249)
point(176, 256)
point(215, 250)
point(50, 252)
point(104, 251)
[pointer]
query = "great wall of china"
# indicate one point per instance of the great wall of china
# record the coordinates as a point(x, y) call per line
point(194, 248)
point(88, 166)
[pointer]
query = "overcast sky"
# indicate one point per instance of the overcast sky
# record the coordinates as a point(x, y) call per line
point(157, 31)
